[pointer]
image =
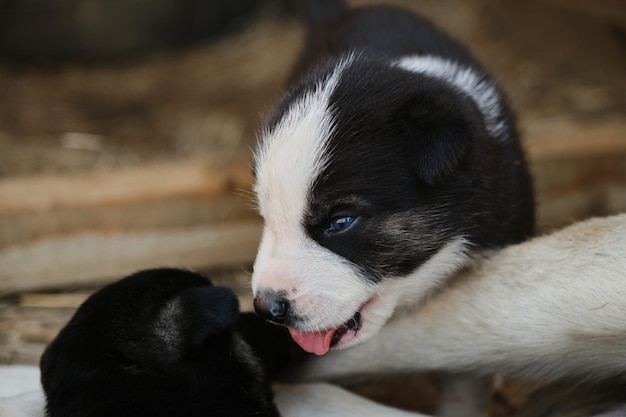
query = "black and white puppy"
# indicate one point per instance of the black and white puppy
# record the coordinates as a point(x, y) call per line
point(163, 342)
point(391, 161)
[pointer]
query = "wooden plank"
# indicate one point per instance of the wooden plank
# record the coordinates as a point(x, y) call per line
point(170, 212)
point(188, 178)
point(564, 139)
point(579, 170)
point(178, 194)
point(44, 300)
point(99, 226)
point(99, 256)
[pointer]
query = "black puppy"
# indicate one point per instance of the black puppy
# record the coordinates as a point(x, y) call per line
point(163, 342)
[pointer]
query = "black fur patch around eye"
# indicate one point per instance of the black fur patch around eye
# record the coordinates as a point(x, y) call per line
point(413, 149)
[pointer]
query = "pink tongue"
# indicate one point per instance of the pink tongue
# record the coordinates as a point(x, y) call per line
point(313, 342)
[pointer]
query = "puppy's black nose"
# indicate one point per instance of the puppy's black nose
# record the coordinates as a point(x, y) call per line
point(272, 307)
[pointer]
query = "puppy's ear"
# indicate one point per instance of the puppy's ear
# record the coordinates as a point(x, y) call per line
point(209, 310)
point(440, 127)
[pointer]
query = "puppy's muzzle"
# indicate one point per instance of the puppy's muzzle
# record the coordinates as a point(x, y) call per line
point(272, 305)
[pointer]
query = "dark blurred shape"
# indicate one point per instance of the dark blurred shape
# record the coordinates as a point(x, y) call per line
point(94, 30)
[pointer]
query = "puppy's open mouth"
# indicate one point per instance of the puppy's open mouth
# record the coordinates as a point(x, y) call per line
point(320, 342)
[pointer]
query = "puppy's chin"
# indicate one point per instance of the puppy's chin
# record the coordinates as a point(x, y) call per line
point(400, 294)
point(390, 299)
point(373, 316)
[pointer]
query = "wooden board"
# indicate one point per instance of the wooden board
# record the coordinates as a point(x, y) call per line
point(80, 229)
point(579, 170)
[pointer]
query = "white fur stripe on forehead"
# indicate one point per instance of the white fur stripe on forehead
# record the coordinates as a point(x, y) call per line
point(478, 87)
point(291, 156)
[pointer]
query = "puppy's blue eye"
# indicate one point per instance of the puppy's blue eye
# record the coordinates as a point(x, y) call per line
point(339, 224)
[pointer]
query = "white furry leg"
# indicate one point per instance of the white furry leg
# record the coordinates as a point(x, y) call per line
point(24, 405)
point(20, 392)
point(325, 400)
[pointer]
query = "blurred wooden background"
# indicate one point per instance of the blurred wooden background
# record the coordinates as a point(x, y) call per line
point(125, 143)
